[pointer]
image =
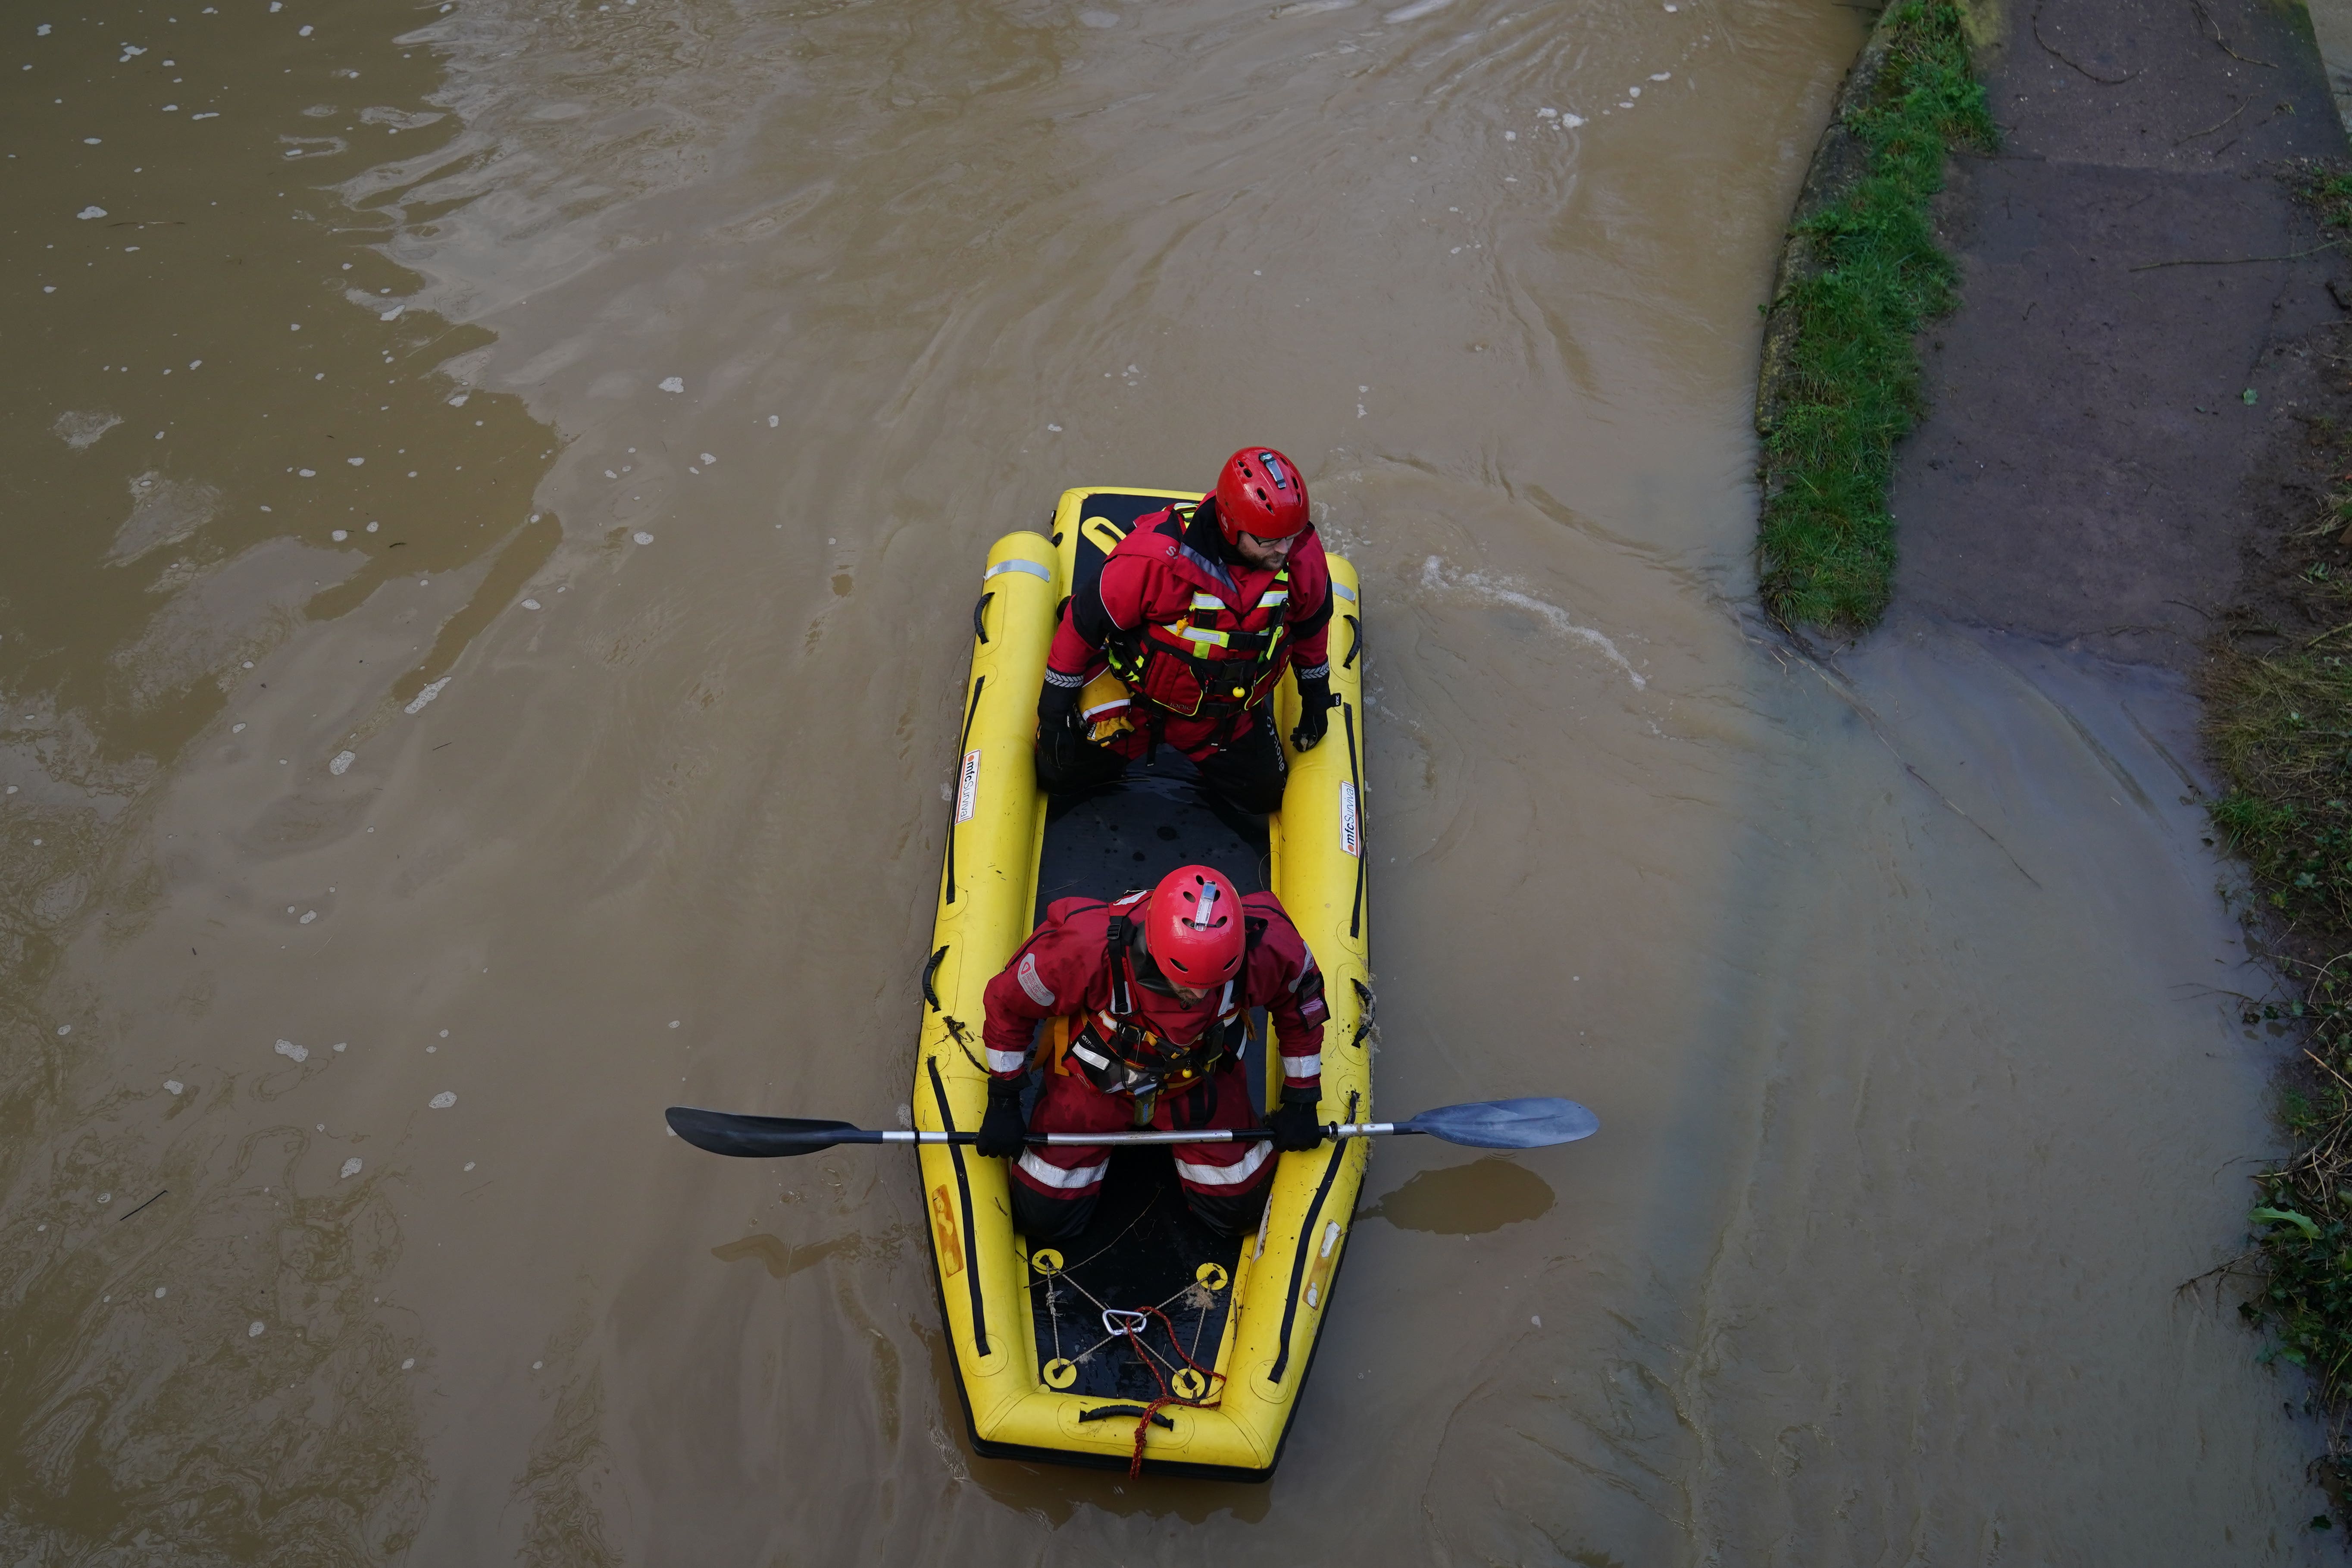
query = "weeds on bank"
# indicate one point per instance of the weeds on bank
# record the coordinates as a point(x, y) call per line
point(2281, 728)
point(2327, 188)
point(1851, 379)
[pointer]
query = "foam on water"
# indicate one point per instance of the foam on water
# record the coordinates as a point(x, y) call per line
point(1436, 576)
point(79, 431)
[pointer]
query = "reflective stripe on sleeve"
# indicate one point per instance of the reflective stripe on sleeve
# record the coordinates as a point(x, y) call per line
point(1292, 1067)
point(1231, 1175)
point(1032, 983)
point(1007, 1061)
point(1054, 1176)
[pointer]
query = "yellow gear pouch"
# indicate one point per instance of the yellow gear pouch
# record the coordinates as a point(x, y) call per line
point(1108, 707)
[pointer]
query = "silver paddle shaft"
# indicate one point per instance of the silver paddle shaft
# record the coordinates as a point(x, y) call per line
point(1206, 1135)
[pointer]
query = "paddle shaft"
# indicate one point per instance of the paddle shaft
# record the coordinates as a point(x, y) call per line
point(1206, 1135)
point(1491, 1124)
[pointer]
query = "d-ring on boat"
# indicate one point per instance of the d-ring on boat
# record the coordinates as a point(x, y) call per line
point(1147, 1337)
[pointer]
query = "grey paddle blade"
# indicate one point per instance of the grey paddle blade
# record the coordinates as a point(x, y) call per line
point(1506, 1123)
point(759, 1137)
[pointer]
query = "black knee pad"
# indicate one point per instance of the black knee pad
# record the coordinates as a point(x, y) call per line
point(1041, 1218)
point(1259, 794)
point(1093, 765)
point(1250, 772)
point(1228, 1214)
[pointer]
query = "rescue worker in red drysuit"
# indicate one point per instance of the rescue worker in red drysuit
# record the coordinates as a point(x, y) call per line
point(1198, 610)
point(1156, 989)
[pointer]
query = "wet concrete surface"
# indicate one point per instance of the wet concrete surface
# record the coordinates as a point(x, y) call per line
point(2101, 398)
point(364, 917)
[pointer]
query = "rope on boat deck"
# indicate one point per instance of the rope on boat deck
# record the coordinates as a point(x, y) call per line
point(1054, 1316)
point(1212, 1383)
point(1199, 1322)
point(1213, 1386)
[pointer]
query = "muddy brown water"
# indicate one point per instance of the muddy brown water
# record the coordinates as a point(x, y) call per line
point(493, 509)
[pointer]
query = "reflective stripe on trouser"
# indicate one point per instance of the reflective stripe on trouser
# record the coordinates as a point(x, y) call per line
point(1055, 1185)
point(1238, 1174)
point(1038, 1165)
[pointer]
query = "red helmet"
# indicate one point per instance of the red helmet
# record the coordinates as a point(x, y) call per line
point(1261, 493)
point(1193, 928)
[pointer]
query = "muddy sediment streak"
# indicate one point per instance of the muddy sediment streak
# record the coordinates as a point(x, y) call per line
point(599, 766)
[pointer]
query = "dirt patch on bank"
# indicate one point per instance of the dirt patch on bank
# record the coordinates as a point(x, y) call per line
point(2293, 588)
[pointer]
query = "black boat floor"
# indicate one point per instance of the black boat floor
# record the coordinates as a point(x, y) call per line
point(1106, 841)
point(1143, 1251)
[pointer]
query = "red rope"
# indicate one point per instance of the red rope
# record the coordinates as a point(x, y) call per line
point(1215, 1381)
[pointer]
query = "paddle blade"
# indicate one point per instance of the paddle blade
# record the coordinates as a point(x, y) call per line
point(1506, 1123)
point(754, 1137)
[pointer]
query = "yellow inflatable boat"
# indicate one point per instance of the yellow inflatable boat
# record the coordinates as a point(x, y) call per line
point(1064, 1353)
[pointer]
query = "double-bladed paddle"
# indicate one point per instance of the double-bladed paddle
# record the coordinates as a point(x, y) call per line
point(1483, 1124)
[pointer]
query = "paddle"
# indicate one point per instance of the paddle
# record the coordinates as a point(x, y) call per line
point(1484, 1124)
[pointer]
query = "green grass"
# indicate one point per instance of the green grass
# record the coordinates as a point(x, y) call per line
point(2281, 728)
point(1850, 379)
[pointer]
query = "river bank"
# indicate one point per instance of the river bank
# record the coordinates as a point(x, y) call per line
point(2131, 453)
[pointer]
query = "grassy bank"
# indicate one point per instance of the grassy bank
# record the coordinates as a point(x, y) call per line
point(2278, 724)
point(1863, 275)
point(2281, 728)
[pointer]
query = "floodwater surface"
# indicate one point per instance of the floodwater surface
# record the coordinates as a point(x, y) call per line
point(496, 495)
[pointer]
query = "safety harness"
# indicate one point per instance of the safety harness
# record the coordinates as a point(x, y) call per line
point(1226, 669)
point(1121, 1054)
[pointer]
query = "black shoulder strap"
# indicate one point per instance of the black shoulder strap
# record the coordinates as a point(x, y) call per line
point(1315, 619)
point(1117, 934)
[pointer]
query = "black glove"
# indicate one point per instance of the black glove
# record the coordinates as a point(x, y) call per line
point(1060, 730)
point(1314, 712)
point(1293, 1122)
point(1002, 1131)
